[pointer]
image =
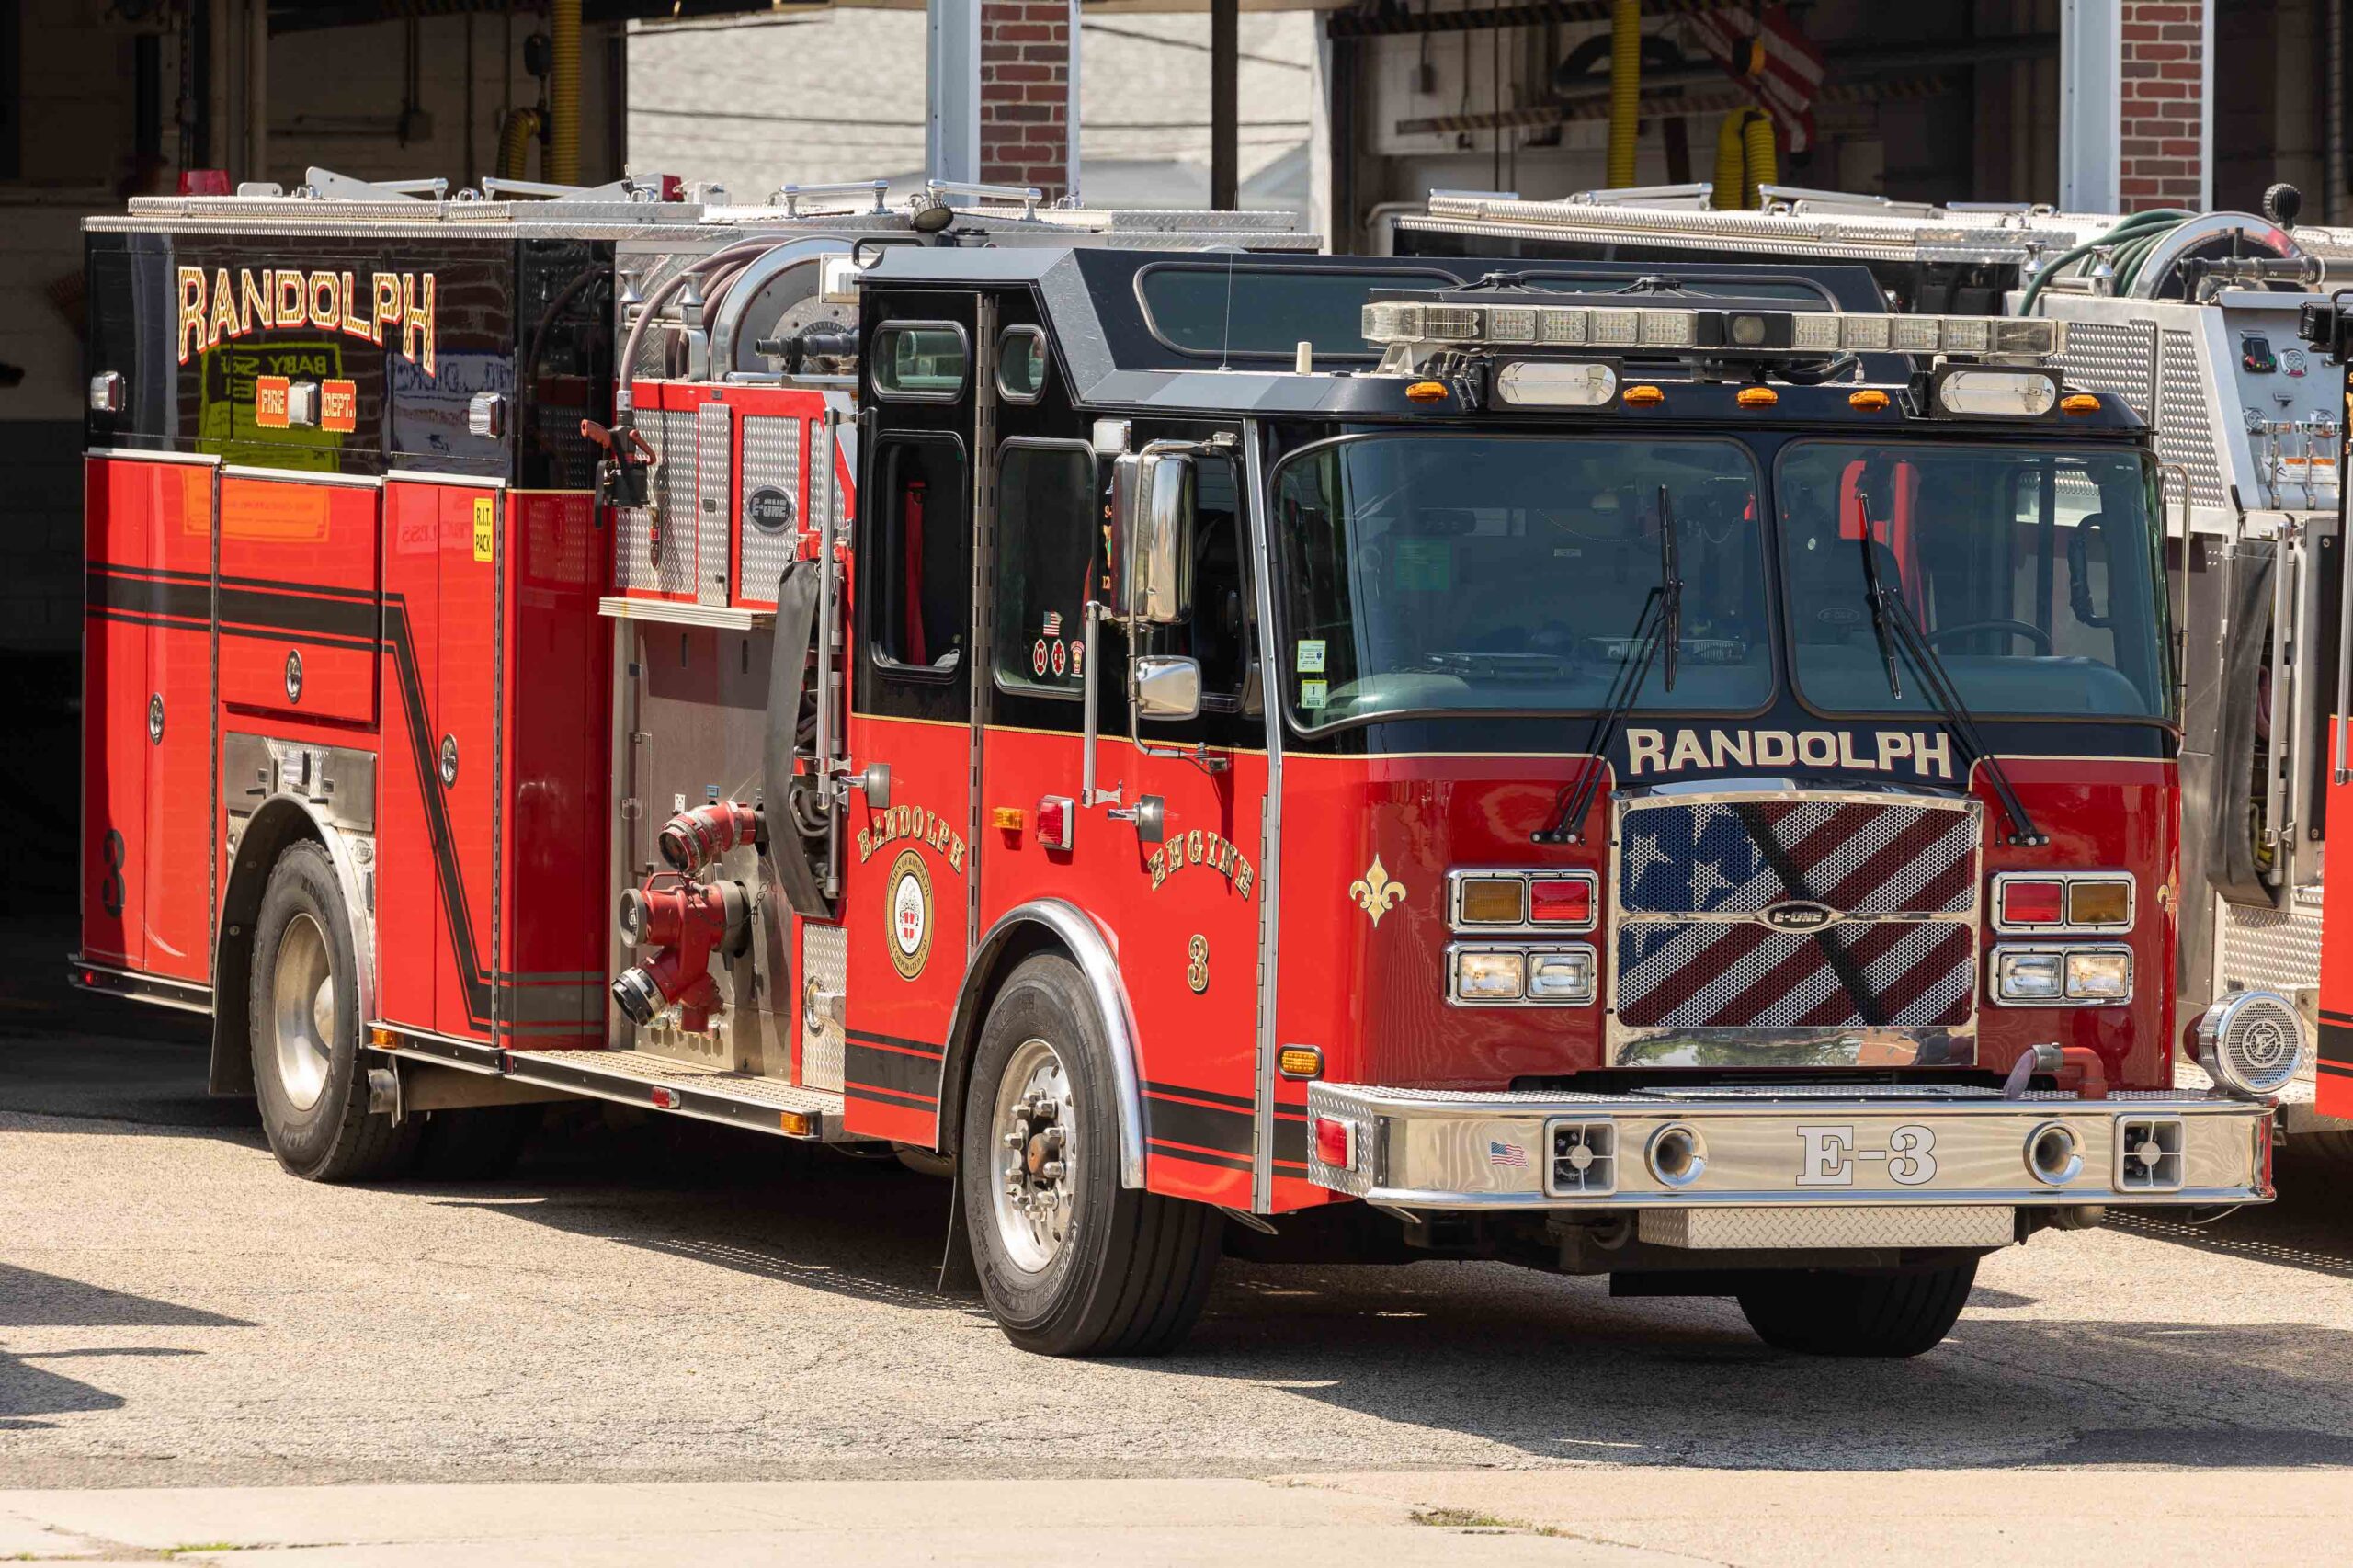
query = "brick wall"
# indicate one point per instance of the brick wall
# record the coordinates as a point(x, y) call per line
point(2163, 103)
point(1025, 93)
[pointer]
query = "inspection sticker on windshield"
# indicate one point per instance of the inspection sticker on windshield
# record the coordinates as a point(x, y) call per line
point(1314, 694)
point(1311, 656)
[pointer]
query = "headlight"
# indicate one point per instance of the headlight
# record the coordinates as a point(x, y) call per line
point(2252, 1042)
point(1565, 975)
point(2069, 975)
point(2100, 975)
point(2026, 977)
point(1487, 976)
point(1491, 974)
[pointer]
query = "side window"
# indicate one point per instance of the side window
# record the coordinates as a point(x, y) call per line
point(923, 580)
point(1021, 364)
point(920, 361)
point(1049, 537)
point(1220, 630)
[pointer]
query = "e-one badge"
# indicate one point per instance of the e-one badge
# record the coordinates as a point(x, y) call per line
point(910, 913)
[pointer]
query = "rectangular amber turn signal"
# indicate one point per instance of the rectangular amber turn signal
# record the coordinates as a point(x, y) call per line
point(1301, 1062)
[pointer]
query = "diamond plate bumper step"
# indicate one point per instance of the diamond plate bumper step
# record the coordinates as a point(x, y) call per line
point(639, 1078)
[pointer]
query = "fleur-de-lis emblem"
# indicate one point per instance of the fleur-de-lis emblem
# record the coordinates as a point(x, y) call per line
point(1375, 892)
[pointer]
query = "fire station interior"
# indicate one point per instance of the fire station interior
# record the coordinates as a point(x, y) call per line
point(1940, 99)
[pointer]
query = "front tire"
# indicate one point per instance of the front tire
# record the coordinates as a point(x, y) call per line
point(1829, 1311)
point(1070, 1263)
point(304, 1013)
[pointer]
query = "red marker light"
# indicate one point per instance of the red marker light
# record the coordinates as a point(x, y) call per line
point(1560, 901)
point(1335, 1143)
point(1054, 823)
point(2034, 903)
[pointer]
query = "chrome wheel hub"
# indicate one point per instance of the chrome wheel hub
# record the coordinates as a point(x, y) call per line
point(1034, 1178)
point(303, 1011)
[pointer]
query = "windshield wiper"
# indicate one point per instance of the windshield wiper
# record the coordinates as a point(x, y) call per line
point(1889, 611)
point(1661, 620)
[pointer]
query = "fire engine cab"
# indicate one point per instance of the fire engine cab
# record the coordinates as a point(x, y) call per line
point(1216, 747)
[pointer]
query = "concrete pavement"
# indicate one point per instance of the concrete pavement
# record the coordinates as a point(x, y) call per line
point(1589, 1515)
point(659, 1343)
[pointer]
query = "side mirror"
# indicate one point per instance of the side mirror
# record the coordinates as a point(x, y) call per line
point(1167, 688)
point(1152, 538)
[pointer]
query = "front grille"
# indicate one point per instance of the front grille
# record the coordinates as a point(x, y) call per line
point(1790, 913)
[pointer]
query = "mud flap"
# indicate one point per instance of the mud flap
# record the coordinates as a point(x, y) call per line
point(958, 1275)
point(787, 850)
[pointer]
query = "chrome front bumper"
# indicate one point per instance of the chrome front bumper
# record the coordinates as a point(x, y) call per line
point(1787, 1147)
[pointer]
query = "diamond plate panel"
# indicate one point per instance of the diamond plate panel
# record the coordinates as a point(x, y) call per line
point(2185, 425)
point(825, 965)
point(638, 1066)
point(714, 492)
point(1932, 1225)
point(772, 461)
point(2113, 357)
point(2271, 950)
point(649, 559)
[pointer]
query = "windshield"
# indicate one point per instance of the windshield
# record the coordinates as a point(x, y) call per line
point(1456, 572)
point(2032, 574)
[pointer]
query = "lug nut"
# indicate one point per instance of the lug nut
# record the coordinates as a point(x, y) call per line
point(1052, 1170)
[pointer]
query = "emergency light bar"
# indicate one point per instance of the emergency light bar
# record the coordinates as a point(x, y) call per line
point(1743, 334)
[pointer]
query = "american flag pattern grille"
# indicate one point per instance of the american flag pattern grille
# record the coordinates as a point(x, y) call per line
point(1692, 877)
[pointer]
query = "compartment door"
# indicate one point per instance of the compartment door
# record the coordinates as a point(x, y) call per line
point(122, 600)
point(183, 764)
point(437, 851)
point(466, 746)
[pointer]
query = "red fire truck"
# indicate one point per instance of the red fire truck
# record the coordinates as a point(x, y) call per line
point(1216, 747)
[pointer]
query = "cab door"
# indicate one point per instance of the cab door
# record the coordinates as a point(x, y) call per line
point(1190, 914)
point(906, 905)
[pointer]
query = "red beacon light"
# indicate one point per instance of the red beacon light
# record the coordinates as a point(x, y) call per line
point(204, 182)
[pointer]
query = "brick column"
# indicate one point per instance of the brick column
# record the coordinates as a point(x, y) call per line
point(2163, 105)
point(1025, 93)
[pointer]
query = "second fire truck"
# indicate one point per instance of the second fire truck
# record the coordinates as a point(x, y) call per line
point(1219, 749)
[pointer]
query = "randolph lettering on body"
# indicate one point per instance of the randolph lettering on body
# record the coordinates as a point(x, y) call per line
point(399, 308)
point(1923, 752)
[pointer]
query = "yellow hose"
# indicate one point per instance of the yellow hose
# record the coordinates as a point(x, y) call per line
point(1625, 87)
point(563, 92)
point(515, 139)
point(1730, 167)
point(1762, 167)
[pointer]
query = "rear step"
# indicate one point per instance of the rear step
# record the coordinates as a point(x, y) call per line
point(640, 1078)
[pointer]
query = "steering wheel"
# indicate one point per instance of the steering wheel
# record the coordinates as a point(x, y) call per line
point(2025, 629)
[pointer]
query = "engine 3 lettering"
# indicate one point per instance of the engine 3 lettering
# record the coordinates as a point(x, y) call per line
point(1924, 753)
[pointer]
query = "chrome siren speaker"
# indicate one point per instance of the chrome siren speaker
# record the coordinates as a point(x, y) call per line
point(2252, 1042)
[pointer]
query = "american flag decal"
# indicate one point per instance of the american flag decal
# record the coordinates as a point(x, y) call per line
point(1894, 883)
point(1510, 1155)
point(1053, 624)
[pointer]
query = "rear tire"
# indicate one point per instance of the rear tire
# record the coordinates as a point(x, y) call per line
point(478, 1143)
point(1070, 1262)
point(1832, 1312)
point(304, 1030)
